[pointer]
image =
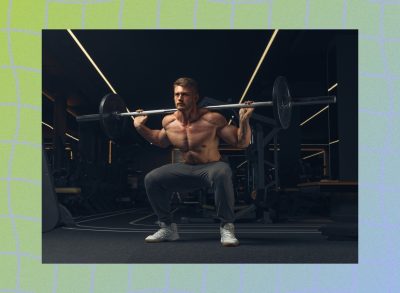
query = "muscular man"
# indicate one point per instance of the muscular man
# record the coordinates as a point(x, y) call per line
point(196, 132)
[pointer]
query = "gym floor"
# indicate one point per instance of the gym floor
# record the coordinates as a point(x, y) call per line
point(118, 237)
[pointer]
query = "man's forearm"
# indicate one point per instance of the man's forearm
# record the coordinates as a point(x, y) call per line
point(151, 135)
point(244, 133)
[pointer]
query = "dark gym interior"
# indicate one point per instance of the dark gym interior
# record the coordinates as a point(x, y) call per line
point(296, 189)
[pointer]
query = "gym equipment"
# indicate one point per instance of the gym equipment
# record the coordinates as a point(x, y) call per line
point(112, 110)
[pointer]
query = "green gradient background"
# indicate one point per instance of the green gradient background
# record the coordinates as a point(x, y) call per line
point(20, 150)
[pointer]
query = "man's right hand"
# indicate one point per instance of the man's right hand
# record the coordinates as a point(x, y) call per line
point(139, 121)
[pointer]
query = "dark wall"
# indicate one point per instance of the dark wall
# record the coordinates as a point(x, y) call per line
point(289, 154)
point(347, 104)
point(93, 146)
point(60, 126)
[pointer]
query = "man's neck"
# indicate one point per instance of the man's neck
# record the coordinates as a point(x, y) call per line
point(187, 116)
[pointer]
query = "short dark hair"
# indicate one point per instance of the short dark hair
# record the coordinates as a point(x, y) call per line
point(187, 82)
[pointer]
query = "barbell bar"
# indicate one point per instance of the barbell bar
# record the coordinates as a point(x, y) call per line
point(112, 109)
point(303, 101)
point(96, 117)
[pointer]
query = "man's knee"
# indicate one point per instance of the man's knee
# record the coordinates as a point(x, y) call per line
point(224, 172)
point(151, 178)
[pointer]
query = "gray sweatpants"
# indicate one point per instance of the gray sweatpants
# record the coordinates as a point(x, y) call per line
point(178, 177)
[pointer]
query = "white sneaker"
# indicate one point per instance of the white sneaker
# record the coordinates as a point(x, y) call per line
point(166, 233)
point(228, 235)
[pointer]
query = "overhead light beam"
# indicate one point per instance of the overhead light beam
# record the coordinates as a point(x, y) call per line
point(313, 116)
point(313, 155)
point(67, 134)
point(332, 87)
point(91, 60)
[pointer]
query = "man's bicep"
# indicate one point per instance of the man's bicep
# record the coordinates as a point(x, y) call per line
point(228, 133)
point(163, 138)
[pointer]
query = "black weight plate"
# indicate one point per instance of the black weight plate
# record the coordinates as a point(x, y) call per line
point(282, 102)
point(113, 125)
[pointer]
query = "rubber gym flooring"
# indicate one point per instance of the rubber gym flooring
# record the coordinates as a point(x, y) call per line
point(118, 237)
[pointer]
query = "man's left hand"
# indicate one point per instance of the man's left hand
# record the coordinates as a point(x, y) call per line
point(245, 113)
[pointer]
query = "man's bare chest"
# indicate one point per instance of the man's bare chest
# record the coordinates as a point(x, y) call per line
point(191, 134)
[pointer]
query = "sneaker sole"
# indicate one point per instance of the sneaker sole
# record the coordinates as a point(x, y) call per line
point(230, 244)
point(158, 241)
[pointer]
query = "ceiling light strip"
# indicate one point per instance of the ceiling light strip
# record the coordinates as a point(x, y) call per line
point(257, 67)
point(336, 141)
point(313, 116)
point(241, 164)
point(313, 155)
point(48, 96)
point(259, 64)
point(73, 137)
point(52, 99)
point(67, 134)
point(49, 126)
point(94, 64)
point(91, 60)
point(332, 87)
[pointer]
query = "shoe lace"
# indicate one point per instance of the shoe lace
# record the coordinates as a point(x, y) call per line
point(227, 232)
point(161, 232)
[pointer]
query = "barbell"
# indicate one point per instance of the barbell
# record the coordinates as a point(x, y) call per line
point(112, 109)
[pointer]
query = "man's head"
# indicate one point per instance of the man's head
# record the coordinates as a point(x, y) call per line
point(186, 93)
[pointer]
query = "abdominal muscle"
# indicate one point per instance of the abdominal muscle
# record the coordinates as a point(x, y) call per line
point(200, 157)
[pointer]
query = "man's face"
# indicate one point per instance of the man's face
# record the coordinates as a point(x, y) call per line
point(185, 98)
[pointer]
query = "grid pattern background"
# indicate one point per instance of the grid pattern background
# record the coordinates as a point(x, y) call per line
point(21, 23)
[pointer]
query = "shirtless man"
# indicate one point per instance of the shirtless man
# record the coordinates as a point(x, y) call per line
point(196, 132)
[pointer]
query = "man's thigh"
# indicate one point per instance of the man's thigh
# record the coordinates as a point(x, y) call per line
point(178, 177)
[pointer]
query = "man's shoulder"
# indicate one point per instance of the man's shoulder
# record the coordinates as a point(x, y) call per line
point(214, 118)
point(168, 119)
